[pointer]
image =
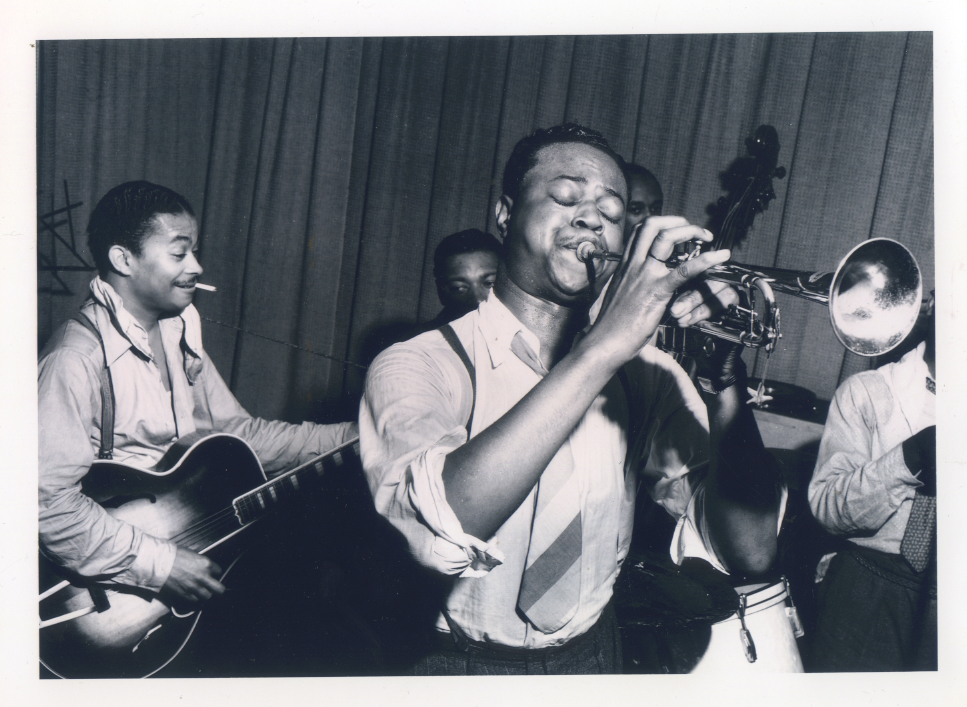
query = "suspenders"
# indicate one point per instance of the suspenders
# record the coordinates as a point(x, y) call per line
point(451, 337)
point(107, 393)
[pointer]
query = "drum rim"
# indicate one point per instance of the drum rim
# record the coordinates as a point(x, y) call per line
point(758, 606)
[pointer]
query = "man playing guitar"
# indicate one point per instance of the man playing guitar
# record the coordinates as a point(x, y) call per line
point(140, 326)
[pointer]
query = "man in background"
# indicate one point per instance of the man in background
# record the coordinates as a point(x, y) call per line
point(464, 268)
point(875, 484)
point(645, 197)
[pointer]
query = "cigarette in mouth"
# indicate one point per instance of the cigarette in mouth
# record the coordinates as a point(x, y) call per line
point(207, 288)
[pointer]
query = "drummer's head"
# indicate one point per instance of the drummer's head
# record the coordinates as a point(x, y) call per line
point(645, 197)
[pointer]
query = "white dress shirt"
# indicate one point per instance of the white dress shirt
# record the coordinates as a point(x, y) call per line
point(861, 487)
point(414, 411)
point(74, 530)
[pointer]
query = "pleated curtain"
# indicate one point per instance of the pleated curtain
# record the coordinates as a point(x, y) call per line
point(325, 171)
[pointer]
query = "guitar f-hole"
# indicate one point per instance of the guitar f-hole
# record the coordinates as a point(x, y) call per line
point(138, 644)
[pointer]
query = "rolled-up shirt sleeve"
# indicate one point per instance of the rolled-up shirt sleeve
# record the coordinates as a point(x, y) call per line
point(678, 461)
point(676, 432)
point(412, 415)
point(691, 537)
point(76, 532)
point(851, 492)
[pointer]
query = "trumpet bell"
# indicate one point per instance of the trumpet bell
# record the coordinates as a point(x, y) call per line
point(875, 297)
point(874, 300)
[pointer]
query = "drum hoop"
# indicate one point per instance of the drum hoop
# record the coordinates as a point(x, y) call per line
point(762, 604)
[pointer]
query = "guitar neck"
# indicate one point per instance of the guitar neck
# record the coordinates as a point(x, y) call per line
point(252, 505)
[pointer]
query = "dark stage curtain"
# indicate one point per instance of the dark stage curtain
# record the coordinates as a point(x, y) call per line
point(325, 171)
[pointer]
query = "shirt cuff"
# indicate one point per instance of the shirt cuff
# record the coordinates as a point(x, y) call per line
point(899, 481)
point(151, 566)
point(454, 551)
point(691, 537)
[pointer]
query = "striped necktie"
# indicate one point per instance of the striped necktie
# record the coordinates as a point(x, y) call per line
point(551, 584)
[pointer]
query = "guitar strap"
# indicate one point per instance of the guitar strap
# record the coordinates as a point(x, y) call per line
point(107, 393)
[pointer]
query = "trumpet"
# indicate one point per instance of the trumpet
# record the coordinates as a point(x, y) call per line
point(874, 299)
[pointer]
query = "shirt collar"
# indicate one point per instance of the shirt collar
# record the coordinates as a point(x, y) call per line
point(122, 331)
point(499, 326)
point(907, 378)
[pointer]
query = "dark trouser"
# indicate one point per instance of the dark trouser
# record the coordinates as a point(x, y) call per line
point(874, 614)
point(596, 652)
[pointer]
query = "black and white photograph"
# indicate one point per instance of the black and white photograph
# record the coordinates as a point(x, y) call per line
point(369, 357)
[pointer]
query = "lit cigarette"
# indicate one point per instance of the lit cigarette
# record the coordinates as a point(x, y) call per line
point(207, 288)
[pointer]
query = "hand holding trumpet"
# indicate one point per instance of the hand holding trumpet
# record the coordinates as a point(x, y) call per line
point(643, 285)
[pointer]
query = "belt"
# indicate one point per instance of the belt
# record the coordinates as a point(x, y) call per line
point(457, 640)
point(893, 568)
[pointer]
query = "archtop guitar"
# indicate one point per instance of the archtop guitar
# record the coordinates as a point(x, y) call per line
point(204, 492)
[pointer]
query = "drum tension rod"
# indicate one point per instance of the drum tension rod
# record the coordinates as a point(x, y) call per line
point(793, 613)
point(747, 643)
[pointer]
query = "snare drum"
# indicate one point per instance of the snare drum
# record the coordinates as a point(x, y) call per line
point(760, 637)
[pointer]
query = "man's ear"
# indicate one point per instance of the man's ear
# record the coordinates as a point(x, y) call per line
point(502, 211)
point(120, 259)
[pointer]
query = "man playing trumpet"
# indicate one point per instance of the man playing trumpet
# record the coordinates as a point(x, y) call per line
point(511, 456)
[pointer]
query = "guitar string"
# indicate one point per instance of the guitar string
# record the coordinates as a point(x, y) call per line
point(226, 518)
point(217, 531)
point(202, 529)
point(202, 524)
point(212, 526)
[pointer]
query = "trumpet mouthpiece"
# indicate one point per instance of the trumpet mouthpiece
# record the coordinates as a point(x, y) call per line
point(585, 251)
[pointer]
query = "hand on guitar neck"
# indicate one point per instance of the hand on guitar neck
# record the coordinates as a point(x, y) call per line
point(193, 577)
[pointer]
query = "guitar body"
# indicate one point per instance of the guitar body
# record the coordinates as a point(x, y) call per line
point(136, 637)
point(137, 632)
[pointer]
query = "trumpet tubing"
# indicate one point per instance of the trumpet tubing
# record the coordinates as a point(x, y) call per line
point(874, 298)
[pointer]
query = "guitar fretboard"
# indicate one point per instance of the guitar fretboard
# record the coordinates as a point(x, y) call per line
point(252, 505)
